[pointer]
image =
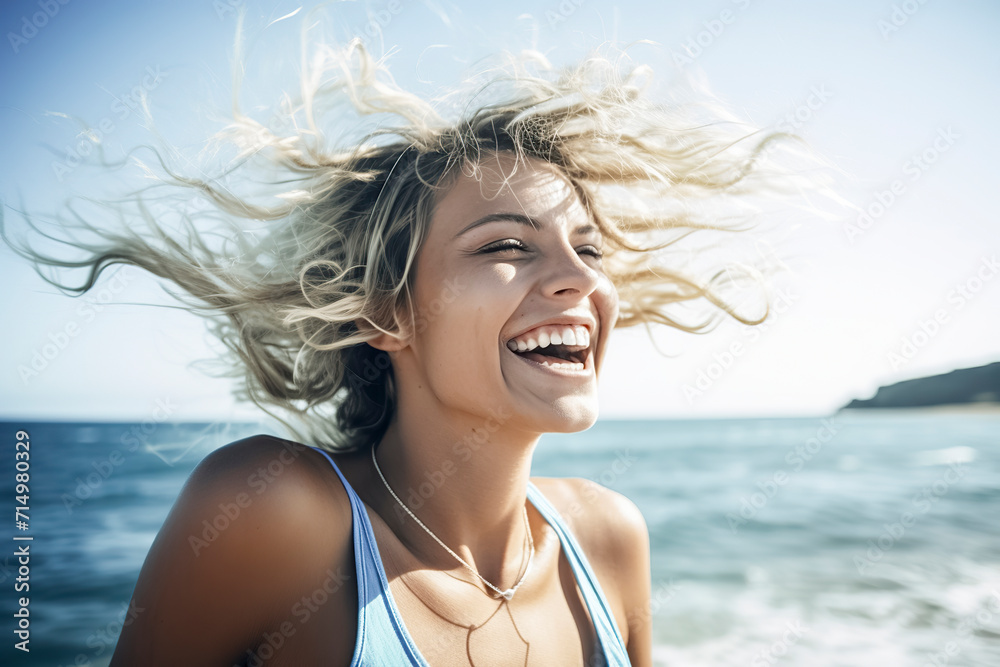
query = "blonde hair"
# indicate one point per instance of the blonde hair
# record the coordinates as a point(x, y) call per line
point(340, 247)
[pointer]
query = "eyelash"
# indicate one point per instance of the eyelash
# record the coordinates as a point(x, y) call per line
point(517, 245)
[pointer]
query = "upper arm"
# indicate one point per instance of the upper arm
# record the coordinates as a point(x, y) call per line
point(634, 556)
point(234, 549)
point(617, 540)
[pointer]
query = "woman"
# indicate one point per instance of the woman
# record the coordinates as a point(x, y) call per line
point(427, 302)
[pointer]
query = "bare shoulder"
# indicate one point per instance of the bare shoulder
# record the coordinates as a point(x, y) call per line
point(263, 462)
point(287, 492)
point(613, 534)
point(223, 557)
point(606, 523)
point(273, 480)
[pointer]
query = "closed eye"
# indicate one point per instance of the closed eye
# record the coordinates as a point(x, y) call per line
point(514, 244)
point(501, 246)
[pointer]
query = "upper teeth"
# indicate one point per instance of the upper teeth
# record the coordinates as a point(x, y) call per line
point(575, 336)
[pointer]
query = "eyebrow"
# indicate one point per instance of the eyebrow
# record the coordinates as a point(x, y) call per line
point(520, 219)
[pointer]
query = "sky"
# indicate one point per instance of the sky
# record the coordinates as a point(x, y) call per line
point(900, 96)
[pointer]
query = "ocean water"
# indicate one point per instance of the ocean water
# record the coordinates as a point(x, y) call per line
point(864, 538)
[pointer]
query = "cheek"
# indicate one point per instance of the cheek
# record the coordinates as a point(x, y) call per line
point(461, 310)
point(459, 330)
point(459, 356)
point(607, 294)
point(449, 329)
point(607, 301)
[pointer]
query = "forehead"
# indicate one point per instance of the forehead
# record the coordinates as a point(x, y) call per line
point(500, 183)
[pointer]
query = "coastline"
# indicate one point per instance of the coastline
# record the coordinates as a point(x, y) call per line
point(985, 408)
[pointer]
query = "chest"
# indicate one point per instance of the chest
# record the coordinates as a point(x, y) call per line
point(551, 626)
point(451, 623)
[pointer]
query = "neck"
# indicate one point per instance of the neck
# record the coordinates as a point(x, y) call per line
point(465, 477)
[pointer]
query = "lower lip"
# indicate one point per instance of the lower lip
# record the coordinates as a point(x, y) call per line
point(585, 372)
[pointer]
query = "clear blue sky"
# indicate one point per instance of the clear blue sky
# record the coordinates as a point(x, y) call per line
point(893, 86)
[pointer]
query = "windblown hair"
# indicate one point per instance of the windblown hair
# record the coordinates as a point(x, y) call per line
point(295, 305)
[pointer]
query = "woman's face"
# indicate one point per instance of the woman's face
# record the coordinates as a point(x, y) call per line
point(489, 283)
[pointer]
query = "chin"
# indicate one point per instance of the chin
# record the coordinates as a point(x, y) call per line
point(571, 414)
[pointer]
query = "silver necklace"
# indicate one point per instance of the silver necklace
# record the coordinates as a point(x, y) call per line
point(507, 594)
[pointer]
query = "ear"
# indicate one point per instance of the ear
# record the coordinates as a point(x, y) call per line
point(386, 342)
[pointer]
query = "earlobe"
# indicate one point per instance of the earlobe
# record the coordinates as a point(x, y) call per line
point(387, 342)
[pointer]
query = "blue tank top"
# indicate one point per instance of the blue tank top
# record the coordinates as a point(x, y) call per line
point(382, 639)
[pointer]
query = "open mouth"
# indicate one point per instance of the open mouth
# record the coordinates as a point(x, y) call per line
point(566, 350)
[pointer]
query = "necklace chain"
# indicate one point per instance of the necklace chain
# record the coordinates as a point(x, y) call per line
point(507, 594)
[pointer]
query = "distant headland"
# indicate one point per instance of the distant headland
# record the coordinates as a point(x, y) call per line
point(978, 386)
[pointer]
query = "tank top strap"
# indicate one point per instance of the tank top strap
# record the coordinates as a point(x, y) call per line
point(614, 652)
point(378, 618)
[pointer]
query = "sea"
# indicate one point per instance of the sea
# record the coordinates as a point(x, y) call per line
point(862, 538)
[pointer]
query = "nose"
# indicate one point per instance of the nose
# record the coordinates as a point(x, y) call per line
point(567, 272)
